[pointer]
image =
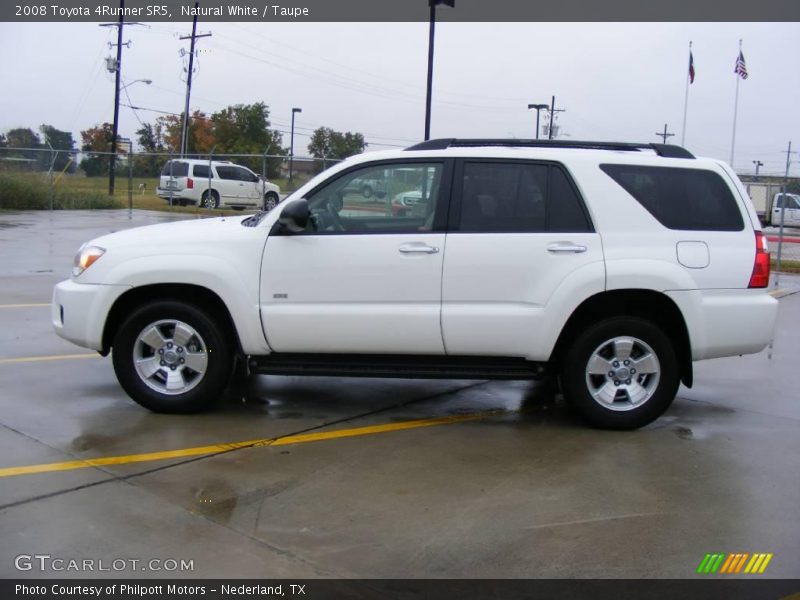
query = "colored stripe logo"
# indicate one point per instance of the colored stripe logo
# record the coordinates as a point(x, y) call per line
point(737, 562)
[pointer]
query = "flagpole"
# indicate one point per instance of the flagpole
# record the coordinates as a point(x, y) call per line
point(686, 99)
point(735, 107)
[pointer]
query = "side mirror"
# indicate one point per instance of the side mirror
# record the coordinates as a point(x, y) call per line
point(294, 216)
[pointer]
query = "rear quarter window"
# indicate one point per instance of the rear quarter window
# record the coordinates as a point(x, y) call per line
point(684, 199)
point(175, 168)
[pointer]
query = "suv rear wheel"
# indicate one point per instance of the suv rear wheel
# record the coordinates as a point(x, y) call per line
point(621, 373)
point(210, 199)
point(172, 357)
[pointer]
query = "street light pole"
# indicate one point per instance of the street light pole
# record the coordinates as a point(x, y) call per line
point(431, 32)
point(291, 145)
point(537, 107)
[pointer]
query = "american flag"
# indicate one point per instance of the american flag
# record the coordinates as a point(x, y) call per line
point(691, 67)
point(741, 68)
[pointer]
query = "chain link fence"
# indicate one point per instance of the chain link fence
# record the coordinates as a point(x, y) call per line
point(43, 178)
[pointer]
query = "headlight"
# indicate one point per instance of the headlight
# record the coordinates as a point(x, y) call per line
point(85, 258)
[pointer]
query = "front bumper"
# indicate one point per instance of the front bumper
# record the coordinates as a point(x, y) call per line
point(79, 311)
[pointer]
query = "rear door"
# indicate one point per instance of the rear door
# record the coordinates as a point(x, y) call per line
point(517, 230)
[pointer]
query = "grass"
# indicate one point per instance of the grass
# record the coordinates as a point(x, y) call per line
point(787, 266)
point(31, 191)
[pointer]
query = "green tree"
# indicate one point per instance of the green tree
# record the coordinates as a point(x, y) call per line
point(151, 140)
point(60, 140)
point(96, 139)
point(245, 129)
point(3, 143)
point(24, 137)
point(200, 134)
point(327, 144)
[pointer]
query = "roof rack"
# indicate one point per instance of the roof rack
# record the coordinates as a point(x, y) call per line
point(665, 150)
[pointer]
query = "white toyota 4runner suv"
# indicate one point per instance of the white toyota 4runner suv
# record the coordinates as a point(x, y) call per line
point(612, 266)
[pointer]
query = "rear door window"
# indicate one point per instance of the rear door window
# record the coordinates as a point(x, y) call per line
point(518, 197)
point(683, 199)
point(202, 171)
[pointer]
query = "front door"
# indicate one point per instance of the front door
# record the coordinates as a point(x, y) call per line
point(365, 276)
point(228, 184)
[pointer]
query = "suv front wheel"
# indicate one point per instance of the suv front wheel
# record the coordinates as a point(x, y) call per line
point(621, 373)
point(172, 357)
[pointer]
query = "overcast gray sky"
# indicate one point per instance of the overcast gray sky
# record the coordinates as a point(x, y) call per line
point(616, 81)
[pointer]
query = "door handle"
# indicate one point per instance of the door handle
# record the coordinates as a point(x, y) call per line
point(565, 248)
point(418, 249)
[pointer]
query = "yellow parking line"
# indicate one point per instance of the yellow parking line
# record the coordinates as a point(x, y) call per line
point(302, 438)
point(25, 305)
point(24, 359)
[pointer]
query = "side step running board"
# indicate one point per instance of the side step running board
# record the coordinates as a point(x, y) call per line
point(403, 366)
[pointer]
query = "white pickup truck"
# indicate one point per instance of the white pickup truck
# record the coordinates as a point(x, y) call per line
point(610, 266)
point(769, 200)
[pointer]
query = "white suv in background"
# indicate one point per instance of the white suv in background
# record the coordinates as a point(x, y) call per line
point(609, 266)
point(191, 181)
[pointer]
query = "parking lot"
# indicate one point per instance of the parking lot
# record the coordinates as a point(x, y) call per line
point(376, 478)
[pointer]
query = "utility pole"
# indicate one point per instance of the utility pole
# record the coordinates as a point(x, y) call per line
point(118, 68)
point(665, 135)
point(193, 37)
point(788, 153)
point(758, 164)
point(118, 77)
point(553, 112)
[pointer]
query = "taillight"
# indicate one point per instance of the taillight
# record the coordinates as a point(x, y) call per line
point(760, 276)
point(189, 183)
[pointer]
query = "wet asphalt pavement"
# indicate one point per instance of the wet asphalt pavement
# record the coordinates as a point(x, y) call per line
point(521, 490)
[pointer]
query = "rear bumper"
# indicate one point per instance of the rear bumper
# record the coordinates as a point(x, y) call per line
point(79, 311)
point(727, 322)
point(164, 194)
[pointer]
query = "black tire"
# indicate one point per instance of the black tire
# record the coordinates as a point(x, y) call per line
point(211, 344)
point(627, 399)
point(213, 202)
point(366, 191)
point(271, 200)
